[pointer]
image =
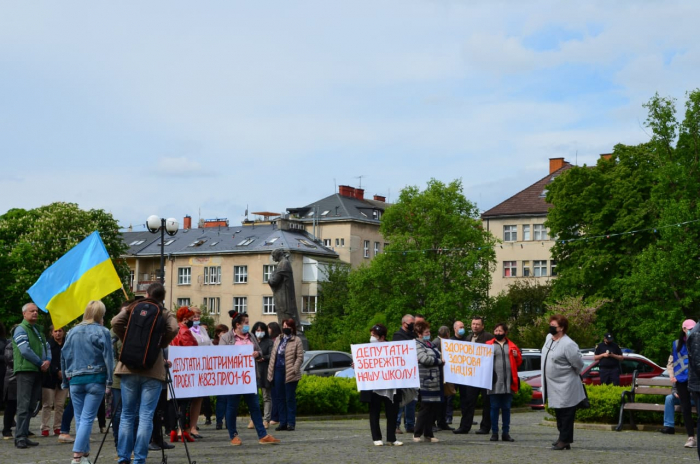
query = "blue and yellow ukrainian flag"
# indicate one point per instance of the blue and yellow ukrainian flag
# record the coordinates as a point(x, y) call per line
point(83, 274)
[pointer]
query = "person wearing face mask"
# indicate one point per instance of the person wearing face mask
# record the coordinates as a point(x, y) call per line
point(679, 377)
point(284, 372)
point(608, 355)
point(184, 337)
point(203, 339)
point(261, 334)
point(506, 360)
point(561, 379)
point(240, 335)
point(431, 379)
point(409, 411)
point(390, 398)
point(445, 416)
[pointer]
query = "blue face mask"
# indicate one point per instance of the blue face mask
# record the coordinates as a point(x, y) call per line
point(195, 322)
point(426, 338)
point(245, 329)
point(460, 332)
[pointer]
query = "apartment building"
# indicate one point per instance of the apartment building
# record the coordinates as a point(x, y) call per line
point(519, 222)
point(223, 267)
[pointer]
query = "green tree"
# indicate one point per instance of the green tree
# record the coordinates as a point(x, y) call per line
point(32, 240)
point(437, 263)
point(327, 330)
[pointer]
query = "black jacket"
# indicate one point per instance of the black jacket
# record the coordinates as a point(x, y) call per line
point(50, 379)
point(401, 335)
point(693, 345)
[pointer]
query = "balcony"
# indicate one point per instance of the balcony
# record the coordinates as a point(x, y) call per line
point(143, 285)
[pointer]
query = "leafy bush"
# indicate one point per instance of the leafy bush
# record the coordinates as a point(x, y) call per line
point(605, 406)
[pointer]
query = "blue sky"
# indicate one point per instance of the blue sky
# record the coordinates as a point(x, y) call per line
point(174, 107)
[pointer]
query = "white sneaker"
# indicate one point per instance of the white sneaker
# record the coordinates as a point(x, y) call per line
point(396, 443)
point(417, 439)
point(691, 443)
point(378, 443)
point(80, 460)
point(432, 440)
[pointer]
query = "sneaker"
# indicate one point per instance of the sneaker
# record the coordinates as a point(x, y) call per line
point(7, 437)
point(378, 443)
point(667, 430)
point(80, 460)
point(417, 439)
point(56, 432)
point(395, 443)
point(691, 443)
point(65, 438)
point(103, 429)
point(235, 441)
point(44, 433)
point(268, 440)
point(431, 439)
point(266, 424)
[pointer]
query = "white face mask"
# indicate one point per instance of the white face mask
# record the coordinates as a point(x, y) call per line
point(260, 334)
point(373, 339)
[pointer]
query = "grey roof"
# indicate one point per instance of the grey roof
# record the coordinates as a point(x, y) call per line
point(340, 207)
point(226, 240)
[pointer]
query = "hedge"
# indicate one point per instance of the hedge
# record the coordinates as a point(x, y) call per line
point(605, 406)
point(338, 395)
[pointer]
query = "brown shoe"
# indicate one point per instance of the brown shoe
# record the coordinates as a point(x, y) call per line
point(268, 440)
point(398, 431)
point(236, 441)
point(251, 425)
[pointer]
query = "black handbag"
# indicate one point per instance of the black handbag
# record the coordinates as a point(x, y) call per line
point(584, 404)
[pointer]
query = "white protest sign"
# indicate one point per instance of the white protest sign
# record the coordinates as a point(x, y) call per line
point(386, 365)
point(468, 363)
point(212, 370)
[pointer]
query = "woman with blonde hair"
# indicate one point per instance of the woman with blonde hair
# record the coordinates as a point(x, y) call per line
point(87, 364)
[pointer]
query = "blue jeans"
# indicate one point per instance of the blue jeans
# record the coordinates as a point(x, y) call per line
point(221, 402)
point(409, 413)
point(86, 400)
point(500, 402)
point(286, 396)
point(670, 412)
point(139, 398)
point(67, 417)
point(251, 400)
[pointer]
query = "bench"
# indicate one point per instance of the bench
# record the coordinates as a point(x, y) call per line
point(641, 386)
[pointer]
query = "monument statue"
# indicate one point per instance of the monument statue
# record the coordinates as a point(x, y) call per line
point(282, 284)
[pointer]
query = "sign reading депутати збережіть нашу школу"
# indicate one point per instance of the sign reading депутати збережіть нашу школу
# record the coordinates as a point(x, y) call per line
point(386, 365)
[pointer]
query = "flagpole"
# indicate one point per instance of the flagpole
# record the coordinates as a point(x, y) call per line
point(125, 295)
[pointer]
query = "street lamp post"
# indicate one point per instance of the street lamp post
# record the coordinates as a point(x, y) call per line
point(170, 225)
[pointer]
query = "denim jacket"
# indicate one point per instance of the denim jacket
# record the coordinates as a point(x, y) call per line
point(87, 350)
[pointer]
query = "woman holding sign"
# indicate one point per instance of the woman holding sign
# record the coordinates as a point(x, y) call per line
point(184, 337)
point(561, 381)
point(506, 359)
point(431, 379)
point(376, 398)
point(240, 335)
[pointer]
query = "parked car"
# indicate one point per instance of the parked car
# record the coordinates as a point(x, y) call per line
point(646, 368)
point(325, 363)
point(531, 363)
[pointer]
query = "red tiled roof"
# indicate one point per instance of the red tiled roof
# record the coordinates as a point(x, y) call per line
point(528, 201)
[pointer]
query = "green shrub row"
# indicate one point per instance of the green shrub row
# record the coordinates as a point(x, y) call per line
point(605, 406)
point(337, 396)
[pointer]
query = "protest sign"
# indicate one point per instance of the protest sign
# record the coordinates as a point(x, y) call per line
point(212, 370)
point(386, 365)
point(468, 363)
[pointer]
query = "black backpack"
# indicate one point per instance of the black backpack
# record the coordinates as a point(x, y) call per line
point(143, 335)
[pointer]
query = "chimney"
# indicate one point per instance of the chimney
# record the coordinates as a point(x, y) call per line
point(187, 222)
point(556, 164)
point(346, 191)
point(360, 193)
point(606, 156)
point(380, 198)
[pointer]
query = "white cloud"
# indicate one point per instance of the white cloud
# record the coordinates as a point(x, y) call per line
point(179, 166)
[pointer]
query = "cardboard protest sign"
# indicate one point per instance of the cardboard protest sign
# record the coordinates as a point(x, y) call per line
point(468, 363)
point(212, 370)
point(386, 365)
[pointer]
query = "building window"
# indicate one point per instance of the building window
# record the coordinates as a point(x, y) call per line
point(340, 242)
point(510, 233)
point(527, 271)
point(269, 305)
point(240, 274)
point(376, 248)
point(366, 249)
point(240, 304)
point(327, 242)
point(541, 268)
point(510, 268)
point(308, 304)
point(268, 270)
point(183, 302)
point(184, 275)
point(213, 305)
point(553, 268)
point(212, 275)
point(526, 232)
point(540, 232)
